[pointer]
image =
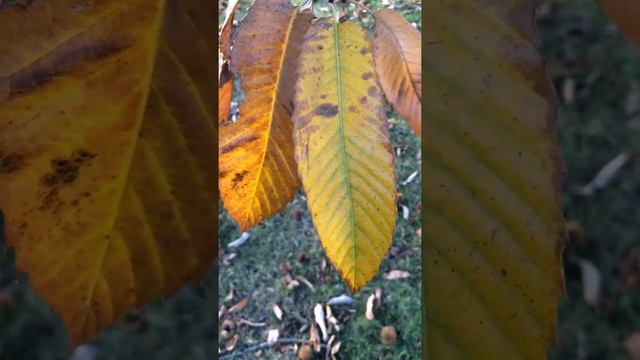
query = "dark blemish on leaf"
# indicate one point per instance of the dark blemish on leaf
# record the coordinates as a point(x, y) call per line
point(364, 51)
point(64, 172)
point(10, 162)
point(320, 47)
point(238, 177)
point(327, 110)
point(353, 109)
point(238, 143)
point(373, 91)
point(367, 75)
point(324, 96)
point(363, 100)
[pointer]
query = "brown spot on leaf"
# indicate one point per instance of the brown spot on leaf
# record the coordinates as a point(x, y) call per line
point(367, 75)
point(238, 143)
point(373, 91)
point(364, 51)
point(353, 109)
point(238, 177)
point(64, 172)
point(10, 162)
point(327, 110)
point(363, 100)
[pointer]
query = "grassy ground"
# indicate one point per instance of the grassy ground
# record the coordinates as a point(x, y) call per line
point(256, 273)
point(598, 120)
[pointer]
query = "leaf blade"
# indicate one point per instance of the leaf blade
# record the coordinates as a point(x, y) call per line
point(493, 221)
point(339, 116)
point(257, 171)
point(397, 53)
point(86, 226)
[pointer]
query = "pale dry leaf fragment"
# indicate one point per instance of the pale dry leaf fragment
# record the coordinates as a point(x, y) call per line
point(410, 178)
point(340, 300)
point(229, 296)
point(632, 345)
point(222, 312)
point(233, 342)
point(397, 274)
point(405, 212)
point(604, 177)
point(272, 336)
point(369, 312)
point(378, 294)
point(251, 323)
point(591, 281)
point(238, 306)
point(239, 241)
point(306, 282)
point(335, 347)
point(277, 311)
point(318, 314)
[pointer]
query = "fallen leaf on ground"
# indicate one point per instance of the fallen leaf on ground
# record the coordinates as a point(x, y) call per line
point(229, 296)
point(397, 274)
point(272, 336)
point(233, 342)
point(239, 306)
point(251, 323)
point(239, 241)
point(277, 311)
point(604, 177)
point(369, 313)
point(340, 300)
point(318, 314)
point(591, 281)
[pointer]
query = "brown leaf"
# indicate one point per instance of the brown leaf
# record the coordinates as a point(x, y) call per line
point(397, 54)
point(238, 306)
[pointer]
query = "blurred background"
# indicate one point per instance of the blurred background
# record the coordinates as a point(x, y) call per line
point(597, 77)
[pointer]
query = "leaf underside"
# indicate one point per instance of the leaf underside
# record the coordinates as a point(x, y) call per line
point(397, 49)
point(493, 223)
point(107, 113)
point(257, 171)
point(342, 150)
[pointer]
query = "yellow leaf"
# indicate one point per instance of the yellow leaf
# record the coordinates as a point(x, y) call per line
point(342, 150)
point(625, 13)
point(257, 171)
point(397, 52)
point(225, 77)
point(106, 110)
point(493, 229)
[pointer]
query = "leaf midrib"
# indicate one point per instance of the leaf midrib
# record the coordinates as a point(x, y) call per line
point(342, 149)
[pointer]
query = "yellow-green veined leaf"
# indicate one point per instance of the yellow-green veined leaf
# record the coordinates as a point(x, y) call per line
point(107, 115)
point(493, 227)
point(257, 170)
point(397, 53)
point(626, 14)
point(342, 149)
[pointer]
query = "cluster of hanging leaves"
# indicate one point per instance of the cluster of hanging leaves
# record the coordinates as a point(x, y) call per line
point(313, 116)
point(107, 145)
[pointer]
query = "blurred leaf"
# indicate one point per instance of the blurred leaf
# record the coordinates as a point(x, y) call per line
point(107, 145)
point(493, 229)
point(626, 14)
